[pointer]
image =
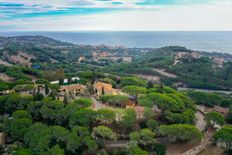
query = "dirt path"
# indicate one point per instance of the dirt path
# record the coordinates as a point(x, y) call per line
point(150, 77)
point(5, 77)
point(164, 73)
point(201, 123)
point(117, 144)
point(205, 90)
point(97, 105)
point(5, 63)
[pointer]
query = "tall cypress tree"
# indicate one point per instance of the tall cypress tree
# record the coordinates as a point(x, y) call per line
point(46, 89)
point(103, 90)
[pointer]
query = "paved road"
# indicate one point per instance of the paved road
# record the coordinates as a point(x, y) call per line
point(117, 144)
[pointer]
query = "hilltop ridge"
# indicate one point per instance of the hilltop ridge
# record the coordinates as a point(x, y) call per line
point(38, 40)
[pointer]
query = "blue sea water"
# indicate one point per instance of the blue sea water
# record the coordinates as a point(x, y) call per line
point(203, 41)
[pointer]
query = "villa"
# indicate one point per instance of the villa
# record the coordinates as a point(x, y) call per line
point(75, 89)
point(101, 88)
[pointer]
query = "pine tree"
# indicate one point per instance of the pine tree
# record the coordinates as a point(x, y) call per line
point(150, 84)
point(38, 96)
point(61, 82)
point(93, 76)
point(52, 95)
point(46, 89)
point(70, 81)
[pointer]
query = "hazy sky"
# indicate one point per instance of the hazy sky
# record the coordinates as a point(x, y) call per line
point(121, 15)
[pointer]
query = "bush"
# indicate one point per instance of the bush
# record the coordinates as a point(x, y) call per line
point(214, 118)
point(83, 102)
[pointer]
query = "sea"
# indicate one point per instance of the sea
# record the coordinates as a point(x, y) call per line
point(201, 40)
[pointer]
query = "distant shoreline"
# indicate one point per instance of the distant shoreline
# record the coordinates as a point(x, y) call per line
point(210, 41)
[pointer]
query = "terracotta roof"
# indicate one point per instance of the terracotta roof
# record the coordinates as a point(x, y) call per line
point(107, 88)
point(72, 87)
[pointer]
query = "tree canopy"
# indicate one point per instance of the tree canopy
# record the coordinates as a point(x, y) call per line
point(224, 135)
point(180, 133)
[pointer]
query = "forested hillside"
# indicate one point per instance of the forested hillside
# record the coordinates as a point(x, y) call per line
point(58, 98)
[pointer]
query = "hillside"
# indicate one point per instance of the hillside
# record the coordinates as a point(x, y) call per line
point(26, 50)
point(181, 67)
point(60, 98)
point(31, 40)
point(174, 66)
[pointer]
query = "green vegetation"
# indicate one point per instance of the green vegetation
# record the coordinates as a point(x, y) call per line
point(132, 81)
point(83, 102)
point(106, 116)
point(229, 116)
point(215, 118)
point(180, 133)
point(210, 99)
point(114, 99)
point(103, 132)
point(135, 91)
point(128, 119)
point(176, 107)
point(37, 118)
point(224, 136)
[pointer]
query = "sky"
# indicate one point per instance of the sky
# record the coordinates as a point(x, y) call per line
point(115, 15)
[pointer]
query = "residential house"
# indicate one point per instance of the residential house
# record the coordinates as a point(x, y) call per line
point(75, 89)
point(101, 88)
point(123, 104)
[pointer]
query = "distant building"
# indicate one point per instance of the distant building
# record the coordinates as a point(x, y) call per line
point(54, 82)
point(124, 59)
point(65, 80)
point(180, 55)
point(81, 59)
point(219, 62)
point(195, 55)
point(103, 54)
point(75, 78)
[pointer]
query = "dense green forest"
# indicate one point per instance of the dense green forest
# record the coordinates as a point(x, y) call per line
point(127, 114)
